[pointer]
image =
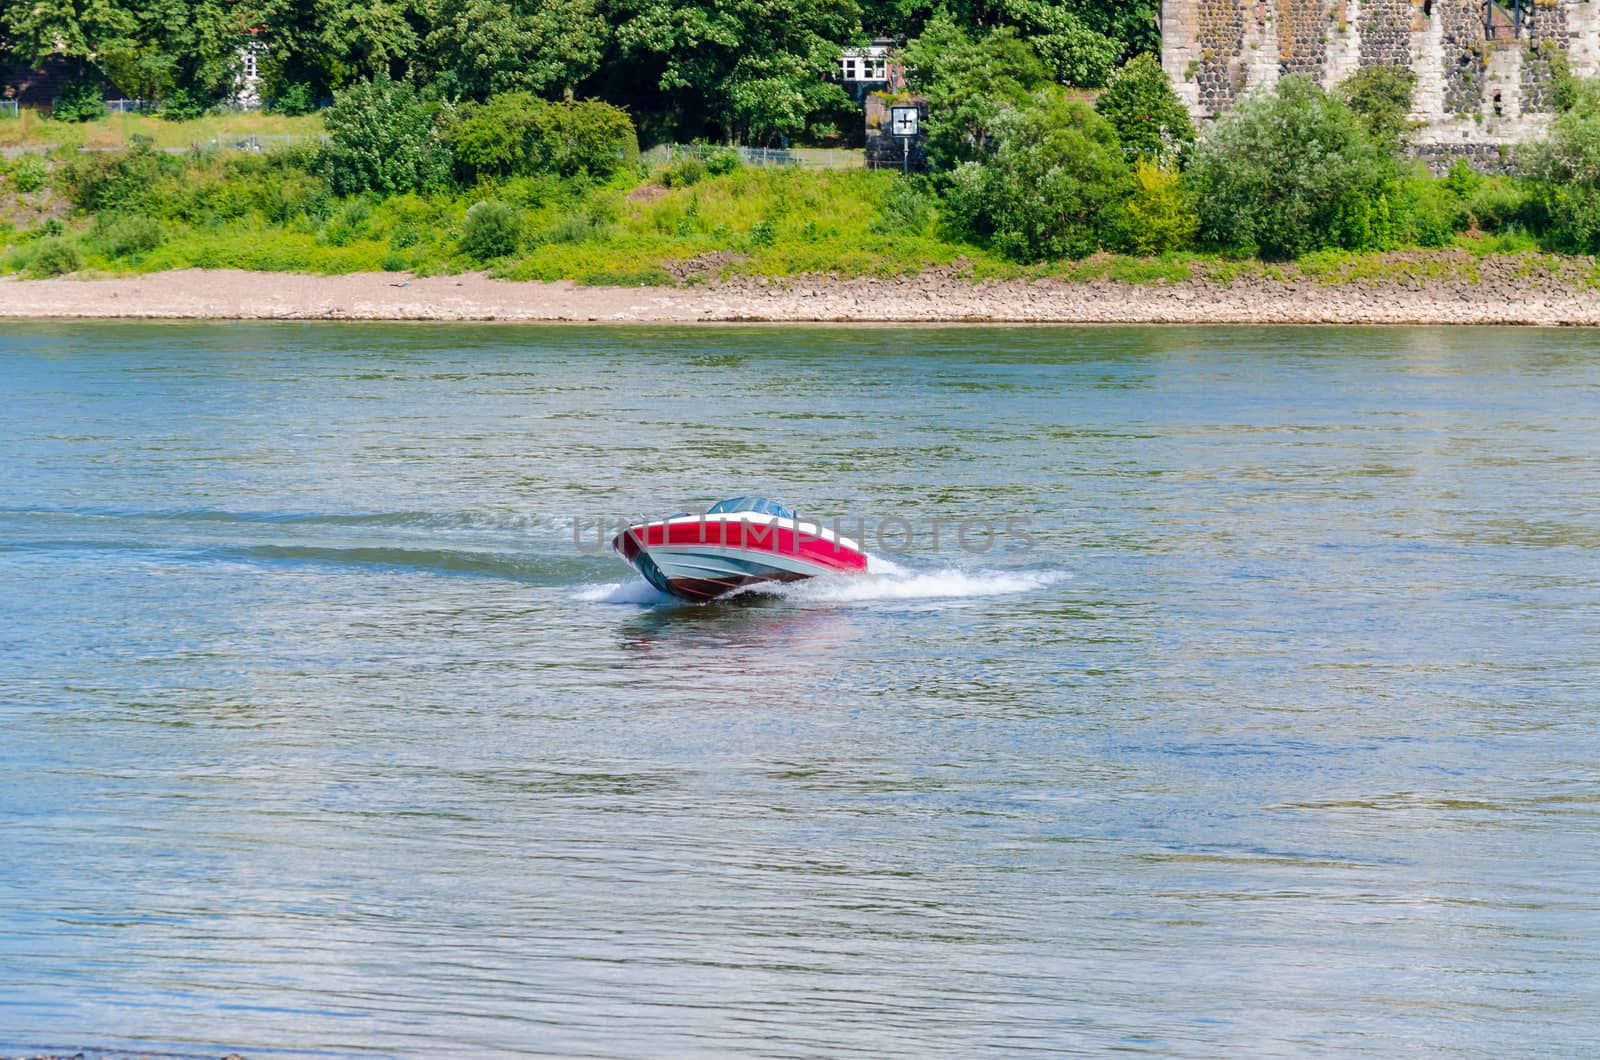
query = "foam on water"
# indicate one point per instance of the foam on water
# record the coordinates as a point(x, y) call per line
point(635, 592)
point(885, 580)
point(901, 584)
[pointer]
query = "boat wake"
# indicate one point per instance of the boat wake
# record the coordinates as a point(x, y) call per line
point(901, 584)
point(885, 581)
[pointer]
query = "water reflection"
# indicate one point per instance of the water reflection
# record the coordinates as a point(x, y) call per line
point(318, 734)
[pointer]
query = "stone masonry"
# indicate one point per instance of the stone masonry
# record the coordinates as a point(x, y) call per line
point(1478, 88)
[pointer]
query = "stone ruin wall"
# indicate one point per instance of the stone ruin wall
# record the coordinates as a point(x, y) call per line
point(1474, 96)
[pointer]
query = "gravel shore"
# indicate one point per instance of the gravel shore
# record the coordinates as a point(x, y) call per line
point(1439, 287)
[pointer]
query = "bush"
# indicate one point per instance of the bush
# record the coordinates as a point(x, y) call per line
point(906, 209)
point(182, 105)
point(30, 174)
point(81, 99)
point(722, 161)
point(1160, 217)
point(123, 182)
point(129, 236)
point(293, 100)
point(1149, 117)
point(518, 134)
point(684, 172)
point(491, 230)
point(383, 138)
point(968, 81)
point(1380, 96)
point(1564, 170)
point(1052, 187)
point(1288, 172)
point(55, 257)
point(1427, 212)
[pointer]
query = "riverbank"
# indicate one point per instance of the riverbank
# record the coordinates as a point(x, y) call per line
point(1441, 287)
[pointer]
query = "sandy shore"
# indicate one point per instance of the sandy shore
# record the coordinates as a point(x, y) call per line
point(1499, 291)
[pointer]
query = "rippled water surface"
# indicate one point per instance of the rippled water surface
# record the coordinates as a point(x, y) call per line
point(318, 733)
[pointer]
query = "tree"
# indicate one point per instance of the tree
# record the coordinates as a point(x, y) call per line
point(749, 68)
point(517, 133)
point(483, 47)
point(1052, 186)
point(364, 38)
point(383, 138)
point(1074, 53)
point(1288, 172)
point(72, 29)
point(1150, 119)
point(1564, 169)
point(1380, 96)
point(189, 47)
point(969, 81)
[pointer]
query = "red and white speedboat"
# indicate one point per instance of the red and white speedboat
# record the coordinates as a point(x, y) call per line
point(738, 542)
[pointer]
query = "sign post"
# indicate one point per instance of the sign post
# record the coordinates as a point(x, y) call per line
point(903, 123)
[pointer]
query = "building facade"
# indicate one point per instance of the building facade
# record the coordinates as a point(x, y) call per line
point(1484, 70)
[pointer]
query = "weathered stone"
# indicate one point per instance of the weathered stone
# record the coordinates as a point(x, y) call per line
point(1485, 79)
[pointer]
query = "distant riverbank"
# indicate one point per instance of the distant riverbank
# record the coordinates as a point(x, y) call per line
point(1439, 287)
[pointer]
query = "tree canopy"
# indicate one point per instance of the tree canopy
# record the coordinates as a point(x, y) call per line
point(750, 70)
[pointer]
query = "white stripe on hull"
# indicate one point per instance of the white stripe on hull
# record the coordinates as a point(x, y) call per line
point(701, 561)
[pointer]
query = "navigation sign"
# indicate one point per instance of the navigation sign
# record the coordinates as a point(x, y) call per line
point(903, 121)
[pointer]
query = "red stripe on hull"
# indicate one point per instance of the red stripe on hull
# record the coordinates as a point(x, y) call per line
point(772, 538)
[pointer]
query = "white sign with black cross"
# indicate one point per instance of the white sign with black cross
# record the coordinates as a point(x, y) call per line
point(903, 122)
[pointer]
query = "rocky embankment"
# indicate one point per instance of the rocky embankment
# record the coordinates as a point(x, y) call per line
point(1435, 287)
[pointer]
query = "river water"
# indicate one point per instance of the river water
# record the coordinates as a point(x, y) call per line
point(1272, 728)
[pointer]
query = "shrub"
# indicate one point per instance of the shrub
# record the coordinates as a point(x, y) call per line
point(968, 81)
point(1149, 117)
point(1564, 170)
point(55, 257)
point(722, 161)
point(684, 172)
point(30, 174)
point(81, 99)
point(1160, 217)
point(518, 134)
point(122, 182)
point(1276, 175)
point(182, 105)
point(1050, 188)
point(1380, 96)
point(132, 235)
point(906, 209)
point(294, 99)
point(1427, 212)
point(491, 230)
point(383, 137)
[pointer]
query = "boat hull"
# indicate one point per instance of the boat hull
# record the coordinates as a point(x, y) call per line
point(700, 558)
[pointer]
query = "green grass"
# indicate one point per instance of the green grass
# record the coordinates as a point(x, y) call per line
point(270, 213)
point(33, 130)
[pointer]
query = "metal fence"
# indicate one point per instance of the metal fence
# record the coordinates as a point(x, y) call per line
point(806, 157)
point(258, 141)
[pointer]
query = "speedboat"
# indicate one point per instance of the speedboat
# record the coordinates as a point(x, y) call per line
point(737, 542)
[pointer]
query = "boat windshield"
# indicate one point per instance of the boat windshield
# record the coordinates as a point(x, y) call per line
point(750, 504)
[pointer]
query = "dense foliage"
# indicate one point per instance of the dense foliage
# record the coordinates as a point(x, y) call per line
point(1051, 185)
point(1149, 117)
point(464, 133)
point(752, 71)
point(1291, 171)
point(384, 138)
